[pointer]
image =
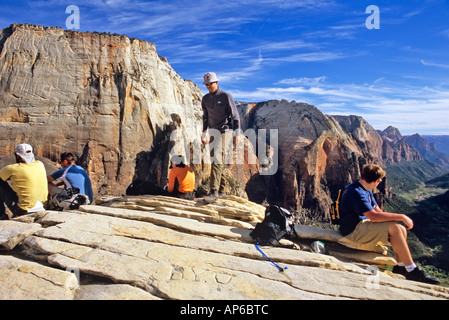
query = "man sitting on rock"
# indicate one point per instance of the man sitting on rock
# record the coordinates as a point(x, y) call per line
point(362, 221)
point(70, 176)
point(29, 186)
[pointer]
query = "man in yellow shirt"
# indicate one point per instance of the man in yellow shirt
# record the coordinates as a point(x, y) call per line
point(28, 191)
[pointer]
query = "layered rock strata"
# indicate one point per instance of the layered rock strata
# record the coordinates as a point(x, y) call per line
point(170, 249)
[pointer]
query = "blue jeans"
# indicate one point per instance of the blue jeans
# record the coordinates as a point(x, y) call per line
point(9, 198)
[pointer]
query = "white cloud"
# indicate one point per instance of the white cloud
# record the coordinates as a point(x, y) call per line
point(247, 72)
point(303, 81)
point(307, 57)
point(433, 64)
point(410, 109)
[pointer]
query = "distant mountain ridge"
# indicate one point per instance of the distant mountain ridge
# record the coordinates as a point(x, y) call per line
point(428, 150)
point(413, 147)
point(441, 142)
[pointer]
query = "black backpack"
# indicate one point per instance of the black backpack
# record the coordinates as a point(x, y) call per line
point(278, 223)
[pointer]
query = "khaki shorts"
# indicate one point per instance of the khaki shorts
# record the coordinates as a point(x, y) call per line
point(370, 233)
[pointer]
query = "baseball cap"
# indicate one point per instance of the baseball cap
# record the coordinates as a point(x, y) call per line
point(210, 77)
point(25, 151)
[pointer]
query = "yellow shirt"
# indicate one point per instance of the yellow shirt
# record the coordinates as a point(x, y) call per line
point(29, 181)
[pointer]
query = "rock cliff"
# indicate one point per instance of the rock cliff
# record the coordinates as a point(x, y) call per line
point(164, 248)
point(108, 98)
point(396, 148)
point(317, 153)
point(115, 102)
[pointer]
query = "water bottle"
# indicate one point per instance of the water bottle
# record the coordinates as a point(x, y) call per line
point(318, 247)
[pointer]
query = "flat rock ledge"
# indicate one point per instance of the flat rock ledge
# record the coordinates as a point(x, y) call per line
point(159, 248)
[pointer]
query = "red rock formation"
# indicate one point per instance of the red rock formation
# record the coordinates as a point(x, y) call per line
point(316, 156)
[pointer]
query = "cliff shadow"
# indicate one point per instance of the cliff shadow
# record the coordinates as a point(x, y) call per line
point(266, 189)
point(153, 165)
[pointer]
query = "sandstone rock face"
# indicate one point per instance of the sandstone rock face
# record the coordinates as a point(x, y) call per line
point(396, 148)
point(369, 140)
point(115, 103)
point(318, 154)
point(108, 98)
point(164, 248)
point(385, 147)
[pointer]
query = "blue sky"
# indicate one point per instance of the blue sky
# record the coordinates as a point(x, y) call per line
point(313, 51)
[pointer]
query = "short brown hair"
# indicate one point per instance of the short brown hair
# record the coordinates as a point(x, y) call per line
point(68, 156)
point(372, 172)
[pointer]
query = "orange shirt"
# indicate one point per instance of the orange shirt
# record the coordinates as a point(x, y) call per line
point(186, 179)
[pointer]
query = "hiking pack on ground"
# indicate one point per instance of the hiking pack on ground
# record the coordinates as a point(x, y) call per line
point(278, 223)
point(334, 209)
point(69, 199)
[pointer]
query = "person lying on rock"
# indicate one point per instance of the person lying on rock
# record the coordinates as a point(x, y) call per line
point(28, 190)
point(362, 221)
point(181, 179)
point(70, 176)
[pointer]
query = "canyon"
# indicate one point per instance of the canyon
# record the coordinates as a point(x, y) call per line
point(121, 108)
point(115, 103)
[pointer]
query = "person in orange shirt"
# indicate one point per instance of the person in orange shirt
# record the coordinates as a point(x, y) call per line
point(181, 180)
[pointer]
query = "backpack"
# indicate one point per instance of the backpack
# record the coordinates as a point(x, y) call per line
point(69, 199)
point(334, 209)
point(278, 223)
point(140, 187)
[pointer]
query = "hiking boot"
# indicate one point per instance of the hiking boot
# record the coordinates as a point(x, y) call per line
point(418, 275)
point(399, 270)
point(211, 197)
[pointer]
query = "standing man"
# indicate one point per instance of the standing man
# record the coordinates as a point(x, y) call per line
point(71, 175)
point(220, 114)
point(29, 185)
point(362, 221)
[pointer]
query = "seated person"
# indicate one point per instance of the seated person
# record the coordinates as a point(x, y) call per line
point(181, 179)
point(362, 221)
point(71, 176)
point(29, 186)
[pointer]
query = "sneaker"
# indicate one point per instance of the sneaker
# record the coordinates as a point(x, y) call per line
point(418, 275)
point(399, 270)
point(211, 197)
